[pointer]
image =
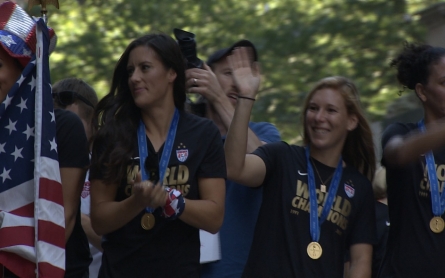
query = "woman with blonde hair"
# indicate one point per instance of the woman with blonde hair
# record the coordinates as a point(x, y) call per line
point(317, 198)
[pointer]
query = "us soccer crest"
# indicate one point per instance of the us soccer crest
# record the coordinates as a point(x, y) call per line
point(350, 191)
point(182, 154)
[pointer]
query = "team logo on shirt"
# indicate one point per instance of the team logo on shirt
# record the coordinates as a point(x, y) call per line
point(182, 154)
point(349, 190)
point(86, 189)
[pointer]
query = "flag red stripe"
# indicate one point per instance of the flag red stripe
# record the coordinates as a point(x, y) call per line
point(25, 211)
point(51, 190)
point(46, 268)
point(6, 14)
point(51, 233)
point(18, 265)
point(18, 235)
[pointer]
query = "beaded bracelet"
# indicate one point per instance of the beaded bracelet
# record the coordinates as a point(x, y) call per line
point(249, 98)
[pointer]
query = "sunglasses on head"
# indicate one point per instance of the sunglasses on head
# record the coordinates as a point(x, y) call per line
point(66, 98)
point(152, 167)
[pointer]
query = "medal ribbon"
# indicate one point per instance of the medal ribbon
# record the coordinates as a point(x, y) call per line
point(316, 222)
point(437, 199)
point(165, 157)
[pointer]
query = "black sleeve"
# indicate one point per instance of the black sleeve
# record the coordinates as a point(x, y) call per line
point(214, 162)
point(268, 153)
point(72, 144)
point(396, 129)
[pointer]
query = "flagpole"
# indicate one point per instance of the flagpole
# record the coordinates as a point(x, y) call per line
point(43, 10)
point(57, 262)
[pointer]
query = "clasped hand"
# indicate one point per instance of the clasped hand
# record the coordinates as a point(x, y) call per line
point(148, 194)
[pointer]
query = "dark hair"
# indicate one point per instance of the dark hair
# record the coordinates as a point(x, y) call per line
point(358, 149)
point(117, 116)
point(83, 89)
point(414, 63)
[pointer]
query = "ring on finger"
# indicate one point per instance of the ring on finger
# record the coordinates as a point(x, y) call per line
point(194, 81)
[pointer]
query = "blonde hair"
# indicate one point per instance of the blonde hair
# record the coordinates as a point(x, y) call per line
point(358, 149)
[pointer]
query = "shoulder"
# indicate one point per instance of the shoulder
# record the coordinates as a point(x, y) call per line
point(64, 117)
point(279, 149)
point(265, 131)
point(397, 129)
point(192, 120)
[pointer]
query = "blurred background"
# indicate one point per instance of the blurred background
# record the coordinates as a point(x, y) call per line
point(299, 42)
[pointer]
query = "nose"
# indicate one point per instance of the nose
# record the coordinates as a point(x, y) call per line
point(135, 76)
point(233, 84)
point(320, 115)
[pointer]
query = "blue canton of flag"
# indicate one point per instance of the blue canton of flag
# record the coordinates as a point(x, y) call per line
point(31, 204)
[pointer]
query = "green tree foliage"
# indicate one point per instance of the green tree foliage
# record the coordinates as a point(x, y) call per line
point(299, 42)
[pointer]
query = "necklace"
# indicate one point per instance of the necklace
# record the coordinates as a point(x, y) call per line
point(323, 183)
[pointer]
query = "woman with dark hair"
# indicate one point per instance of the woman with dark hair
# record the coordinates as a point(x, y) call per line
point(148, 200)
point(328, 177)
point(414, 157)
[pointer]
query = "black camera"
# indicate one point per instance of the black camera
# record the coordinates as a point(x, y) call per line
point(187, 44)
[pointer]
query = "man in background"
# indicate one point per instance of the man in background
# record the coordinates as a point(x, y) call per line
point(219, 93)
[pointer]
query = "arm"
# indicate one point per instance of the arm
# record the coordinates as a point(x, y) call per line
point(208, 212)
point(72, 184)
point(248, 170)
point(108, 215)
point(209, 87)
point(361, 259)
point(400, 150)
point(93, 238)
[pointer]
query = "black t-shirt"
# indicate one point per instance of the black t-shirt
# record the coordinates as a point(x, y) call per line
point(413, 250)
point(172, 247)
point(282, 233)
point(382, 223)
point(72, 148)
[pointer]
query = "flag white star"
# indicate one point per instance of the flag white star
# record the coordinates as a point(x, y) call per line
point(53, 118)
point(2, 148)
point(53, 144)
point(7, 101)
point(17, 153)
point(20, 81)
point(11, 126)
point(32, 83)
point(8, 40)
point(22, 105)
point(5, 174)
point(26, 52)
point(29, 132)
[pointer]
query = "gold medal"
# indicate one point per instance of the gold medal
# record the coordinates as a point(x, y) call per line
point(148, 221)
point(314, 250)
point(437, 224)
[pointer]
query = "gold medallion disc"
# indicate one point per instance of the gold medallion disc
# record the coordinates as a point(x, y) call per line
point(148, 221)
point(314, 250)
point(437, 224)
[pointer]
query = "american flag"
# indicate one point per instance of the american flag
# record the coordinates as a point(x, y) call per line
point(32, 225)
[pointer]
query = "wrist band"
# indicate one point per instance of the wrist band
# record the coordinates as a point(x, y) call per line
point(249, 98)
point(175, 204)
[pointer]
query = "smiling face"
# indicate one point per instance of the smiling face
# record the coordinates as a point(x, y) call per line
point(150, 83)
point(10, 71)
point(327, 121)
point(223, 73)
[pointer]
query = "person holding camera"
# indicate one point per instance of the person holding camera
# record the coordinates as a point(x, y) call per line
point(157, 172)
point(215, 83)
